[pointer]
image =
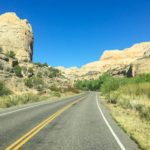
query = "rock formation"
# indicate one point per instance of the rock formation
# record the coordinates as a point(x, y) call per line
point(117, 62)
point(16, 35)
point(141, 65)
point(18, 72)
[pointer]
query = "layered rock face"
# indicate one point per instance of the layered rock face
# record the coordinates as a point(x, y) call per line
point(16, 35)
point(141, 65)
point(117, 62)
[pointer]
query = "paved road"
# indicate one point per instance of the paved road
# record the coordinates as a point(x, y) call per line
point(77, 124)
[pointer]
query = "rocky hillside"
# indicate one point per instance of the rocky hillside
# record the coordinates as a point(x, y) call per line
point(17, 71)
point(117, 62)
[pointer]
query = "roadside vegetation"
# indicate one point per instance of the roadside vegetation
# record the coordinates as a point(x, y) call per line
point(14, 100)
point(128, 100)
point(10, 54)
point(7, 99)
point(3, 89)
point(37, 81)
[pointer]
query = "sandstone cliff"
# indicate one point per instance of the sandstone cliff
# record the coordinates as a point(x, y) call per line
point(117, 62)
point(16, 35)
point(141, 65)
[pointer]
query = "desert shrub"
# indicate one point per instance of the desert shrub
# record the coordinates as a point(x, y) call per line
point(113, 98)
point(53, 72)
point(124, 103)
point(56, 94)
point(40, 64)
point(72, 89)
point(28, 82)
point(144, 111)
point(1, 66)
point(10, 54)
point(35, 82)
point(25, 60)
point(18, 71)
point(45, 64)
point(54, 88)
point(1, 50)
point(3, 89)
point(39, 74)
point(30, 70)
point(24, 69)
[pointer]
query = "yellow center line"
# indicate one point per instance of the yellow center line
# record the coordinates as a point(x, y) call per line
point(25, 138)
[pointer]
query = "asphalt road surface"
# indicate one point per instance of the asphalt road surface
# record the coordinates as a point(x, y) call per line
point(77, 123)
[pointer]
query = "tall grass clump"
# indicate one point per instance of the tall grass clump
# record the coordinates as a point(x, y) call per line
point(14, 100)
point(3, 89)
point(35, 82)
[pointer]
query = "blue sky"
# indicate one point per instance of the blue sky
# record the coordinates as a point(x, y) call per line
point(75, 32)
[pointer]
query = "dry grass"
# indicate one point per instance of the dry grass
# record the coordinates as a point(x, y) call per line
point(135, 97)
point(15, 100)
point(131, 121)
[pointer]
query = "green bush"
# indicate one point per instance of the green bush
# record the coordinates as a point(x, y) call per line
point(111, 84)
point(1, 50)
point(56, 94)
point(39, 74)
point(35, 82)
point(18, 71)
point(55, 88)
point(54, 72)
point(144, 111)
point(72, 89)
point(92, 85)
point(41, 65)
point(29, 82)
point(25, 60)
point(87, 85)
point(10, 54)
point(30, 70)
point(3, 89)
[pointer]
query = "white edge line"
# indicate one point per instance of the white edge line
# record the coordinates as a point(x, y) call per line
point(108, 125)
